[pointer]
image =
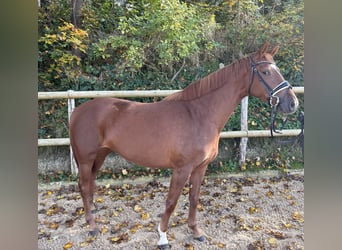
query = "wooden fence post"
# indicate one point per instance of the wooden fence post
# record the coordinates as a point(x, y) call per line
point(244, 127)
point(71, 106)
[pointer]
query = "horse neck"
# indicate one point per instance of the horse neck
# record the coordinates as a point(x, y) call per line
point(218, 105)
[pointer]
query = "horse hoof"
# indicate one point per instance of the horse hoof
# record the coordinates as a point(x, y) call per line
point(201, 238)
point(93, 233)
point(164, 247)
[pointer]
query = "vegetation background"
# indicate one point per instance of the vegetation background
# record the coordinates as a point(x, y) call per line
point(160, 44)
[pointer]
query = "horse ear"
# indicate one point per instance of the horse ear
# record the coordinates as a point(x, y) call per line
point(274, 50)
point(264, 48)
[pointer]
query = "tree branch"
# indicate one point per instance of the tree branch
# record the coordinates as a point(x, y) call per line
point(177, 73)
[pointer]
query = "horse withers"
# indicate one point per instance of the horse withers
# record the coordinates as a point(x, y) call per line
point(180, 132)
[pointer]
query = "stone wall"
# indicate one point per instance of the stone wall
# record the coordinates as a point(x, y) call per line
point(58, 158)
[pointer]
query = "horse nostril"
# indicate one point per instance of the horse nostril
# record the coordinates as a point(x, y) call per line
point(292, 105)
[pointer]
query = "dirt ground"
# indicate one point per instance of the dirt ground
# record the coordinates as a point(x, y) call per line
point(235, 212)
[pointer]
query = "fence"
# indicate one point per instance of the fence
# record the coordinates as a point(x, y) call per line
point(72, 95)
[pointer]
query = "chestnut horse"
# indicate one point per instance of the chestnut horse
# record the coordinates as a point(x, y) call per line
point(180, 132)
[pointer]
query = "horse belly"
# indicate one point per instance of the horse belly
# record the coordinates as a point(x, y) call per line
point(140, 141)
point(142, 151)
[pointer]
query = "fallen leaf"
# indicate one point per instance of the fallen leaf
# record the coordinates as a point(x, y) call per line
point(200, 207)
point(256, 245)
point(54, 209)
point(68, 245)
point(53, 225)
point(135, 228)
point(79, 211)
point(289, 197)
point(151, 226)
point(100, 200)
point(84, 244)
point(293, 203)
point(115, 229)
point(69, 223)
point(104, 229)
point(286, 225)
point(137, 208)
point(273, 242)
point(186, 190)
point(145, 216)
point(118, 239)
point(88, 241)
point(269, 194)
point(221, 245)
point(114, 239)
point(189, 246)
point(244, 227)
point(277, 235)
point(251, 210)
point(102, 221)
point(298, 217)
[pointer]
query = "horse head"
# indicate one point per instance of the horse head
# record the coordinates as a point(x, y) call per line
point(269, 84)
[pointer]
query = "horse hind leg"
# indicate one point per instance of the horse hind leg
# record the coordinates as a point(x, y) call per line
point(101, 156)
point(85, 186)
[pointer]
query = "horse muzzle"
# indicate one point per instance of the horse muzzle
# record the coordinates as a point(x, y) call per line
point(288, 103)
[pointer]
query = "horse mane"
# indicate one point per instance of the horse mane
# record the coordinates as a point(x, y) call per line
point(209, 83)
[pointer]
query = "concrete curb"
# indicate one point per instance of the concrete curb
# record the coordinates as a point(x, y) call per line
point(145, 179)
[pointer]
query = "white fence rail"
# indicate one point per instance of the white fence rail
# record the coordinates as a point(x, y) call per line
point(72, 95)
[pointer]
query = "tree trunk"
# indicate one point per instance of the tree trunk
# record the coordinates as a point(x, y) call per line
point(76, 13)
point(76, 21)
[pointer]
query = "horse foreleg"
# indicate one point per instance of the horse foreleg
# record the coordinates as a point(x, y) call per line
point(195, 185)
point(177, 183)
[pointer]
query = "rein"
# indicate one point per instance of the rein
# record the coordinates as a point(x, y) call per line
point(300, 137)
point(272, 97)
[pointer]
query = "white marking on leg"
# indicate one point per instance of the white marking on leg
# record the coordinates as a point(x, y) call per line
point(163, 238)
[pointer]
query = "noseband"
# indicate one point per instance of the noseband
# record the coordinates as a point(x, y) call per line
point(272, 97)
